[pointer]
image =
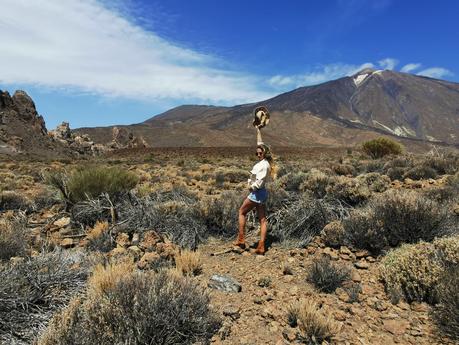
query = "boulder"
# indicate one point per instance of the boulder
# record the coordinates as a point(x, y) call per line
point(224, 283)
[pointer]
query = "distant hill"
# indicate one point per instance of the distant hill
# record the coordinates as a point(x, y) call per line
point(339, 112)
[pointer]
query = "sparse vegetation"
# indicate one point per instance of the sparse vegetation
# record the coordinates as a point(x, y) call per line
point(188, 263)
point(314, 325)
point(136, 308)
point(446, 313)
point(380, 147)
point(393, 218)
point(327, 276)
point(413, 270)
point(35, 287)
point(13, 236)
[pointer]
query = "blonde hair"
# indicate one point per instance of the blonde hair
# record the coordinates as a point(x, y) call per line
point(269, 157)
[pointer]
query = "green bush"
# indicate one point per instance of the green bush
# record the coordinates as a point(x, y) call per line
point(381, 147)
point(136, 308)
point(88, 182)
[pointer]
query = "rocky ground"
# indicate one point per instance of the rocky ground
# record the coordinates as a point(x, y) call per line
point(258, 313)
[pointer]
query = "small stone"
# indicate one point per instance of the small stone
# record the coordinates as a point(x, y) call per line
point(331, 253)
point(396, 327)
point(363, 265)
point(62, 222)
point(148, 260)
point(232, 312)
point(224, 283)
point(67, 243)
point(344, 250)
point(339, 315)
point(118, 251)
point(149, 240)
point(355, 276)
point(419, 307)
point(135, 239)
point(257, 300)
point(136, 251)
point(361, 254)
point(122, 240)
point(289, 334)
point(345, 257)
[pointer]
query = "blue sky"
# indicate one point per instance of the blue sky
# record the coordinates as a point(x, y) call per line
point(101, 62)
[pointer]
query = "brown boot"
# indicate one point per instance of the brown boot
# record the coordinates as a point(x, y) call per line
point(260, 248)
point(240, 242)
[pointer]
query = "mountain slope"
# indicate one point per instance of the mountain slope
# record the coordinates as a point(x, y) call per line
point(342, 111)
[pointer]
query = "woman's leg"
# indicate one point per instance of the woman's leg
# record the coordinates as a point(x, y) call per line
point(261, 210)
point(247, 205)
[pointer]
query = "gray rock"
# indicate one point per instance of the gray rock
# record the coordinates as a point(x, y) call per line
point(224, 283)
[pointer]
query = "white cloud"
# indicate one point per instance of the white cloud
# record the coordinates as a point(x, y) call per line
point(410, 67)
point(319, 75)
point(83, 45)
point(388, 63)
point(436, 72)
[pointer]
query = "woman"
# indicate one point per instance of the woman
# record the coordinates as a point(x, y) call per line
point(260, 174)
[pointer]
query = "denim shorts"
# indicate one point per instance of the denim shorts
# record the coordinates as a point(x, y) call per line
point(259, 195)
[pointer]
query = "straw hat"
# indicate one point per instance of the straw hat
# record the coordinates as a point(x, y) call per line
point(261, 117)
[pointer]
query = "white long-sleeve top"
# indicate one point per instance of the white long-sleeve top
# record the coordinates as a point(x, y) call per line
point(259, 175)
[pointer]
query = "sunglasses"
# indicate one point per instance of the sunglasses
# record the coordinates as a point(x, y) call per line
point(259, 153)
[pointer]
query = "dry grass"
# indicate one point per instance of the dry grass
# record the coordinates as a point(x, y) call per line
point(105, 278)
point(13, 235)
point(188, 262)
point(314, 326)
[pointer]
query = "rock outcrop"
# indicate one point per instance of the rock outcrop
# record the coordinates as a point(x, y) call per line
point(21, 127)
point(122, 138)
point(82, 144)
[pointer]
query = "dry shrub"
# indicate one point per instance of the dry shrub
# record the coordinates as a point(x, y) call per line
point(232, 175)
point(301, 219)
point(380, 147)
point(420, 172)
point(188, 263)
point(376, 182)
point(446, 313)
point(99, 237)
point(10, 200)
point(140, 308)
point(393, 218)
point(443, 164)
point(333, 234)
point(327, 276)
point(13, 235)
point(105, 277)
point(316, 181)
point(292, 181)
point(414, 271)
point(348, 190)
point(33, 289)
point(315, 327)
point(221, 214)
point(343, 169)
point(396, 173)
